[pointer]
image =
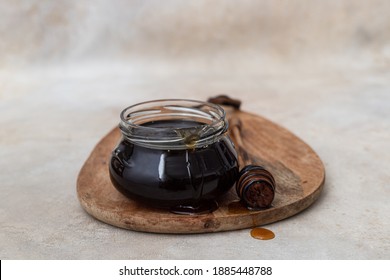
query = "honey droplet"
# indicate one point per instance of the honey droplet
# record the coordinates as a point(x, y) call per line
point(262, 233)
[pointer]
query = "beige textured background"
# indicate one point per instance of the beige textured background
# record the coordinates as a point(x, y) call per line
point(319, 68)
point(254, 32)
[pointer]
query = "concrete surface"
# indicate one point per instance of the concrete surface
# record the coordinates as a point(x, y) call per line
point(321, 70)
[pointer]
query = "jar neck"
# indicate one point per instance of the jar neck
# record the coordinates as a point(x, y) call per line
point(175, 124)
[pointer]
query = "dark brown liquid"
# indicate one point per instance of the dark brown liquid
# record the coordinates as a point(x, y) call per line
point(185, 181)
point(262, 233)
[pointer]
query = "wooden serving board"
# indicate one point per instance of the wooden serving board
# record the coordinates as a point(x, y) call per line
point(298, 171)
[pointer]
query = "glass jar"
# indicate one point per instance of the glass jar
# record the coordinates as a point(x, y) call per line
point(174, 154)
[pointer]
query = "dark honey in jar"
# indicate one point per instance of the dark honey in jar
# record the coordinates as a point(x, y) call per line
point(174, 154)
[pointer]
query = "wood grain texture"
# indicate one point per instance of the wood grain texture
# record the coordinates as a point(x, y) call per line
point(298, 171)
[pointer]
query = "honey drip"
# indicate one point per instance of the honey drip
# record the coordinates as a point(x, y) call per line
point(262, 233)
point(236, 208)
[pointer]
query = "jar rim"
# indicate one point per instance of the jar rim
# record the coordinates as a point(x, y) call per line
point(208, 123)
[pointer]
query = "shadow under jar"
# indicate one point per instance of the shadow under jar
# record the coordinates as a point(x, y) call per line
point(174, 154)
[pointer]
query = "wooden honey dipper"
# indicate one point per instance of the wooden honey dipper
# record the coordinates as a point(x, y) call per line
point(255, 185)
